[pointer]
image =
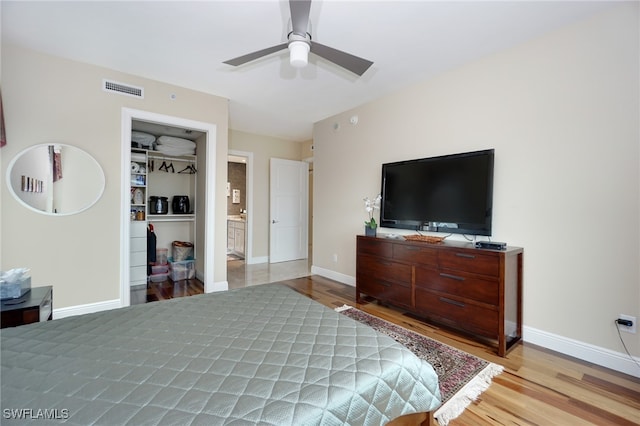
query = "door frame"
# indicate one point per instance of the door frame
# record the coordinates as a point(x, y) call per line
point(248, 256)
point(128, 115)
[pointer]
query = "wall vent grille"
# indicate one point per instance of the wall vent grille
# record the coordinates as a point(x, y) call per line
point(123, 89)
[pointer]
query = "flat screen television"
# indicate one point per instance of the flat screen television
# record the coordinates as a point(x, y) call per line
point(450, 193)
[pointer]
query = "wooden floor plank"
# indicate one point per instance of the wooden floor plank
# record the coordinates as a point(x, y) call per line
point(614, 390)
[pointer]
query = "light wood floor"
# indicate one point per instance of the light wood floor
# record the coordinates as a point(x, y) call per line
point(538, 387)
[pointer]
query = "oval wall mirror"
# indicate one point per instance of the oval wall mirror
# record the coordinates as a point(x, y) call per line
point(55, 179)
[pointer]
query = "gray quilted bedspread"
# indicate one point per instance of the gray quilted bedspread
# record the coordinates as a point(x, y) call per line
point(260, 355)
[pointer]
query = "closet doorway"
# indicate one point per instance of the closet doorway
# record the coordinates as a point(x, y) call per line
point(205, 205)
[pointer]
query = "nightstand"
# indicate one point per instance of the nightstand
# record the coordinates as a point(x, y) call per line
point(35, 306)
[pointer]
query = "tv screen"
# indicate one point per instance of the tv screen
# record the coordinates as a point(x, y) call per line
point(450, 193)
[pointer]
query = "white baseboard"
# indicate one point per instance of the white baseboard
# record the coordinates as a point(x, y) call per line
point(219, 286)
point(594, 354)
point(336, 276)
point(255, 260)
point(86, 309)
point(585, 351)
point(210, 288)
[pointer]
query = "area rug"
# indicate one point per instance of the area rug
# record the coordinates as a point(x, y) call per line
point(462, 377)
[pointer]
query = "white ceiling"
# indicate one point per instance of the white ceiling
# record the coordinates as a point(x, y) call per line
point(185, 43)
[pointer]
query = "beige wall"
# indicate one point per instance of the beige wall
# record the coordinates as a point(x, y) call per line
point(48, 99)
point(562, 113)
point(306, 150)
point(263, 148)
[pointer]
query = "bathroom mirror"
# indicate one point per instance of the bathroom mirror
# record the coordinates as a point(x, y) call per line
point(55, 179)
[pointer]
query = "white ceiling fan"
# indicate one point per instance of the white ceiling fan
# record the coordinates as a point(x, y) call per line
point(300, 44)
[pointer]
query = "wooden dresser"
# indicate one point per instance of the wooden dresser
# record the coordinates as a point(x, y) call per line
point(478, 291)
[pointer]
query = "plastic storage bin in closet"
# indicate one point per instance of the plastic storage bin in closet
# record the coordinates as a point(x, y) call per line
point(162, 256)
point(158, 278)
point(182, 270)
point(160, 269)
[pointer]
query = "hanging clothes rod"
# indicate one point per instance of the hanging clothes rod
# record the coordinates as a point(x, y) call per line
point(170, 158)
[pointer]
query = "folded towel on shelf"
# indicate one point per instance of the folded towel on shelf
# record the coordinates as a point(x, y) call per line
point(175, 146)
point(144, 139)
point(176, 142)
point(169, 150)
point(136, 156)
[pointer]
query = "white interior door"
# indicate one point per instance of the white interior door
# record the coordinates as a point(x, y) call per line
point(289, 195)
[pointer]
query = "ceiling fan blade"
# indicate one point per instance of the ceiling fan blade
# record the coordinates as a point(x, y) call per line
point(346, 60)
point(255, 55)
point(300, 16)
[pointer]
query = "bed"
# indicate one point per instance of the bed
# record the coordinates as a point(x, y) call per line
point(260, 355)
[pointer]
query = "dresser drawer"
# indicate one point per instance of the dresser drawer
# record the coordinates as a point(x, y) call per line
point(138, 258)
point(415, 254)
point(139, 245)
point(375, 247)
point(458, 283)
point(383, 269)
point(473, 318)
point(384, 290)
point(138, 229)
point(138, 273)
point(470, 261)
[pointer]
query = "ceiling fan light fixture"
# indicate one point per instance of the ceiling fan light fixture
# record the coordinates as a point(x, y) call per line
point(299, 45)
point(299, 53)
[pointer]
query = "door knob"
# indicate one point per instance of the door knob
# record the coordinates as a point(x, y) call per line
point(274, 221)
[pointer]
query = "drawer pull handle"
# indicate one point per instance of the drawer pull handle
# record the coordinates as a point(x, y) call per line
point(410, 248)
point(465, 255)
point(384, 284)
point(385, 263)
point(452, 302)
point(453, 277)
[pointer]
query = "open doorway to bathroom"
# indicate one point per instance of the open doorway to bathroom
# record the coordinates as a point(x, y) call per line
point(238, 201)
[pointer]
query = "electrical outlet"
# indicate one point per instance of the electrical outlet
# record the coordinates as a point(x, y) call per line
point(631, 329)
point(335, 258)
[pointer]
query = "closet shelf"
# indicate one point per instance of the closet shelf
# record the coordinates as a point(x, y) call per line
point(155, 155)
point(171, 217)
